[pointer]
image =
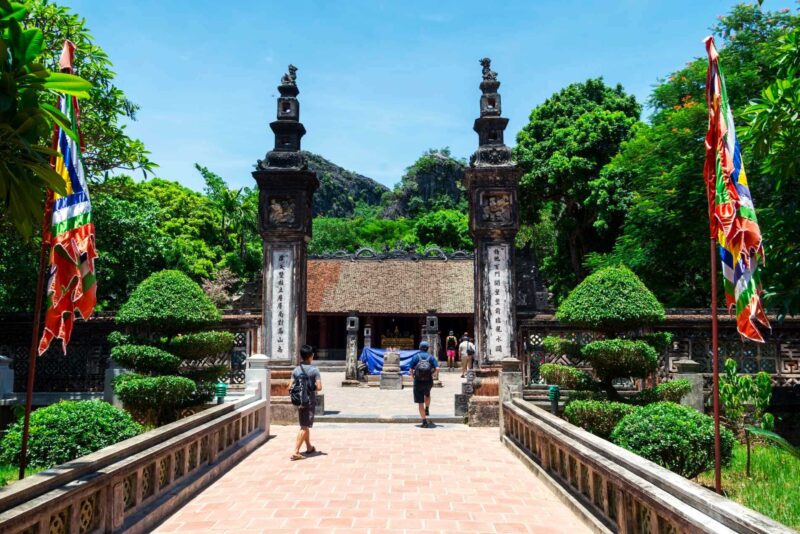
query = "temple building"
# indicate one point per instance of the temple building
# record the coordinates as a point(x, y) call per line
point(392, 293)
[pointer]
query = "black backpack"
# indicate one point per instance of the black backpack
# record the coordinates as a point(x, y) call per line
point(424, 369)
point(301, 390)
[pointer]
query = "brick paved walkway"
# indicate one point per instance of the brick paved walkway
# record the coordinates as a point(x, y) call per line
point(379, 478)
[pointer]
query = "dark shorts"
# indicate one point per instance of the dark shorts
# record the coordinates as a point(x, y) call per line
point(422, 390)
point(306, 416)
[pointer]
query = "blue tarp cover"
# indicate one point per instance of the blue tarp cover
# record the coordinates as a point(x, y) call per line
point(374, 359)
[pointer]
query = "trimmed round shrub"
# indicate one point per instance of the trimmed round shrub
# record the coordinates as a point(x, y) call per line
point(116, 338)
point(584, 395)
point(658, 340)
point(146, 359)
point(614, 358)
point(199, 345)
point(560, 346)
point(598, 417)
point(673, 436)
point(564, 376)
point(145, 393)
point(672, 391)
point(67, 430)
point(610, 300)
point(168, 302)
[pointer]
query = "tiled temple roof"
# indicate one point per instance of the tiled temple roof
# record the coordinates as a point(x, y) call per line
point(390, 286)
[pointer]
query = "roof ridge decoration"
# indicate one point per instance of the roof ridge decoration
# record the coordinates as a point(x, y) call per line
point(410, 254)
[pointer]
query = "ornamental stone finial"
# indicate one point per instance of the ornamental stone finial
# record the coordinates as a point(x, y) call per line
point(488, 73)
point(290, 78)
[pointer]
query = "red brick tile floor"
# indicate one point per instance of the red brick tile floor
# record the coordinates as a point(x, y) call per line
point(378, 478)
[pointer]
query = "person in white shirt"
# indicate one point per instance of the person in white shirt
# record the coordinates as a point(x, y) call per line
point(463, 349)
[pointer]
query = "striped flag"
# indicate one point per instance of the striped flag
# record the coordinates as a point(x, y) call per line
point(71, 287)
point(730, 207)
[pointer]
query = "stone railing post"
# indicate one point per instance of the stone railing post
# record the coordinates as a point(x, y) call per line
point(112, 371)
point(257, 371)
point(690, 370)
point(6, 376)
point(510, 385)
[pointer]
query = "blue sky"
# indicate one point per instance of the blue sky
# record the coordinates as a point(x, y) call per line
point(380, 82)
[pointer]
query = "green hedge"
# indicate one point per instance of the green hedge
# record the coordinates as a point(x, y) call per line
point(168, 302)
point(146, 359)
point(560, 346)
point(564, 376)
point(672, 391)
point(153, 393)
point(598, 417)
point(611, 299)
point(67, 430)
point(614, 358)
point(199, 345)
point(673, 436)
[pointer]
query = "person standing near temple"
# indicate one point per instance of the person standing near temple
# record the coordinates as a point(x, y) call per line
point(424, 368)
point(450, 345)
point(463, 353)
point(306, 382)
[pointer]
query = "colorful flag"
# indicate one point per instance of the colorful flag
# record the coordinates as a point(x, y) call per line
point(71, 287)
point(730, 207)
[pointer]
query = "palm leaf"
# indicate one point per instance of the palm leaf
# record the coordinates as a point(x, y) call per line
point(776, 439)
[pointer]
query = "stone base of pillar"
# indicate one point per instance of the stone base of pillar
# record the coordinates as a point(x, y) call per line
point(690, 370)
point(484, 405)
point(391, 381)
point(351, 383)
point(390, 374)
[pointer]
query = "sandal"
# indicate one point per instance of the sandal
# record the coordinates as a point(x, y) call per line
point(297, 457)
point(312, 450)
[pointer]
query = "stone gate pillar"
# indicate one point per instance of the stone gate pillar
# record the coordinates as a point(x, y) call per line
point(351, 357)
point(286, 189)
point(491, 181)
point(430, 333)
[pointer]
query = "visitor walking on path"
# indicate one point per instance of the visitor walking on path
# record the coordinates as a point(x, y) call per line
point(463, 353)
point(450, 345)
point(306, 382)
point(424, 369)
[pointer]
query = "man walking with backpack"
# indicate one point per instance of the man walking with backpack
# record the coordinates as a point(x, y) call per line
point(424, 368)
point(306, 382)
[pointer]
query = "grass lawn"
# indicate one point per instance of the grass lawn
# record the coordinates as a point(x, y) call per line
point(9, 473)
point(773, 487)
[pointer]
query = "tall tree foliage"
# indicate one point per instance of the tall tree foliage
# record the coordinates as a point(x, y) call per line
point(569, 138)
point(665, 235)
point(108, 146)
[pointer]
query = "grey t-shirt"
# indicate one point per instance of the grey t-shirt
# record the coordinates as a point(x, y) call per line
point(313, 375)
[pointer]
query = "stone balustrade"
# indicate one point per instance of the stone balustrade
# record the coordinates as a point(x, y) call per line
point(617, 490)
point(132, 485)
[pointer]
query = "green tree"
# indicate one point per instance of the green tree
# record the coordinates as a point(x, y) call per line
point(26, 119)
point(569, 138)
point(774, 131)
point(108, 146)
point(665, 234)
point(448, 229)
point(433, 182)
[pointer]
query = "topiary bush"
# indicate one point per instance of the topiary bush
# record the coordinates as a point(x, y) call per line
point(559, 346)
point(672, 391)
point(613, 302)
point(612, 358)
point(597, 417)
point(67, 430)
point(168, 302)
point(673, 436)
point(165, 347)
point(611, 299)
point(146, 359)
point(564, 376)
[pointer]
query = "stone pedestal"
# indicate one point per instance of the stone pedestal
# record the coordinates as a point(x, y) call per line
point(281, 408)
point(690, 370)
point(510, 384)
point(351, 359)
point(467, 390)
point(484, 405)
point(6, 377)
point(391, 378)
point(112, 371)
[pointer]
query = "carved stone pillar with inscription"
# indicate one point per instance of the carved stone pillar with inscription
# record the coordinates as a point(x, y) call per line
point(351, 362)
point(286, 189)
point(491, 181)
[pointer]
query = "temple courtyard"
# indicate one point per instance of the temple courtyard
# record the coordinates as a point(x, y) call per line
point(372, 478)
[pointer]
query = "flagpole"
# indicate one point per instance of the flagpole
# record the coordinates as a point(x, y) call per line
point(715, 364)
point(32, 356)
